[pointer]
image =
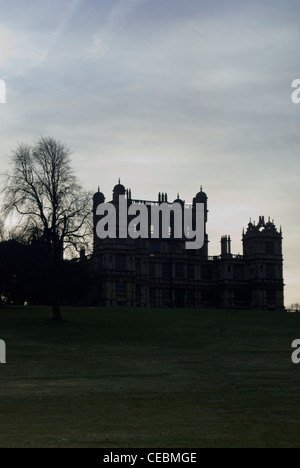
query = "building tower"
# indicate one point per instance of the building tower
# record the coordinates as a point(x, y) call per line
point(262, 245)
point(98, 199)
point(201, 197)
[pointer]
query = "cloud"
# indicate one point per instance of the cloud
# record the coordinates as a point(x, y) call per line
point(8, 47)
point(31, 50)
point(63, 23)
point(103, 37)
point(185, 93)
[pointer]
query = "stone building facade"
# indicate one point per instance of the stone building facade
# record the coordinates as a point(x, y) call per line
point(163, 273)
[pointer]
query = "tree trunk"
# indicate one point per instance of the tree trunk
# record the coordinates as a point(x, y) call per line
point(56, 291)
point(56, 313)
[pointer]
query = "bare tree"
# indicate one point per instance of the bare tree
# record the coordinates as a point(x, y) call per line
point(52, 207)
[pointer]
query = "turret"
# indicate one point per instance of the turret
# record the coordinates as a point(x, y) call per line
point(201, 197)
point(262, 245)
point(117, 191)
point(98, 199)
point(262, 239)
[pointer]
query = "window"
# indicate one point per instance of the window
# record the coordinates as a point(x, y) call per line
point(190, 271)
point(179, 270)
point(138, 291)
point(152, 295)
point(240, 296)
point(239, 272)
point(121, 289)
point(152, 270)
point(191, 252)
point(208, 298)
point(270, 250)
point(190, 298)
point(271, 297)
point(120, 262)
point(166, 270)
point(166, 295)
point(174, 248)
point(206, 273)
point(270, 271)
point(154, 247)
point(138, 265)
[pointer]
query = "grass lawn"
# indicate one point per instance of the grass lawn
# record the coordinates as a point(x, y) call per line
point(149, 378)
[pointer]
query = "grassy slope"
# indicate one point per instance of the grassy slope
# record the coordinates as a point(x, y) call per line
point(149, 378)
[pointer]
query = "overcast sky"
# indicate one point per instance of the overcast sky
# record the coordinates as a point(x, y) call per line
point(167, 95)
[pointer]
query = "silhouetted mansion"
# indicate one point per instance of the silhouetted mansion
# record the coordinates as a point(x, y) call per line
point(163, 273)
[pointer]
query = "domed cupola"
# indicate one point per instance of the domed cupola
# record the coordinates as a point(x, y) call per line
point(98, 198)
point(118, 190)
point(178, 200)
point(201, 196)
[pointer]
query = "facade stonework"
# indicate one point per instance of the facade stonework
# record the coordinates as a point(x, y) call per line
point(163, 273)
